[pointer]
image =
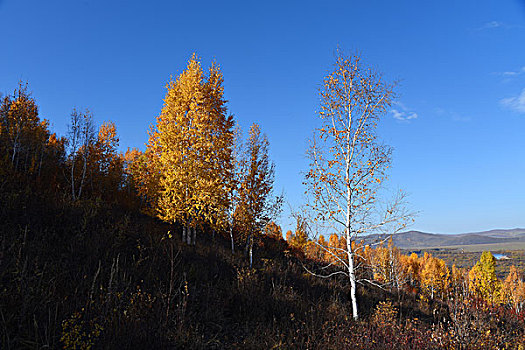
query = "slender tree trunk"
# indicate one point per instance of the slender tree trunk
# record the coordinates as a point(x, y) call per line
point(251, 252)
point(83, 176)
point(14, 154)
point(73, 175)
point(351, 276)
point(350, 253)
point(15, 147)
point(184, 234)
point(231, 238)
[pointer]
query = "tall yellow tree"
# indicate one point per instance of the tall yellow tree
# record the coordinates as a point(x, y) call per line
point(483, 281)
point(348, 162)
point(188, 160)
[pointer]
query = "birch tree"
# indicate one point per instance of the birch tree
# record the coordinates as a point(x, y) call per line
point(256, 206)
point(348, 162)
point(81, 135)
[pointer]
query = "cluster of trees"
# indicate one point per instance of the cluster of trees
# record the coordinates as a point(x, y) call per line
point(427, 276)
point(85, 163)
point(196, 170)
point(26, 144)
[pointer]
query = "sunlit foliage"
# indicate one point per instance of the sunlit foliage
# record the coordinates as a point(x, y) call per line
point(187, 166)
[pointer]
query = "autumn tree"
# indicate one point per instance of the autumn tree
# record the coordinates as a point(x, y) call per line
point(387, 264)
point(434, 277)
point(53, 162)
point(483, 281)
point(105, 162)
point(318, 252)
point(299, 238)
point(235, 182)
point(188, 161)
point(133, 164)
point(412, 267)
point(273, 230)
point(81, 135)
point(256, 205)
point(348, 162)
point(514, 289)
point(23, 136)
point(459, 283)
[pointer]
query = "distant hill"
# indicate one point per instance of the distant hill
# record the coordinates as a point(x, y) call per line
point(417, 239)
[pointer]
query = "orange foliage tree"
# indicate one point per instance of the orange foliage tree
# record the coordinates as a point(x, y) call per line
point(514, 289)
point(24, 138)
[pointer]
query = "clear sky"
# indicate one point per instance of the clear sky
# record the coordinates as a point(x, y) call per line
point(458, 129)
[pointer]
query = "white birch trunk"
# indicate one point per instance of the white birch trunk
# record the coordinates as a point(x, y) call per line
point(231, 238)
point(350, 253)
point(251, 252)
point(353, 286)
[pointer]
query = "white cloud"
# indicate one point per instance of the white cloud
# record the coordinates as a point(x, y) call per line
point(499, 25)
point(516, 103)
point(513, 73)
point(491, 25)
point(403, 113)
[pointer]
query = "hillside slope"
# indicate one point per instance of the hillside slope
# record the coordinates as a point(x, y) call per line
point(416, 239)
point(83, 274)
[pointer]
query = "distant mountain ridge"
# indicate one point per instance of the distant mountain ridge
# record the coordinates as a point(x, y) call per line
point(417, 239)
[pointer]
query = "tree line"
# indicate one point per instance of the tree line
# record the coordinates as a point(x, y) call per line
point(426, 276)
point(196, 171)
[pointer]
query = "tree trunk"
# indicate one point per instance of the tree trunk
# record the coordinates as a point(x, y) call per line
point(73, 156)
point(184, 234)
point(191, 234)
point(351, 276)
point(83, 176)
point(350, 252)
point(231, 237)
point(251, 253)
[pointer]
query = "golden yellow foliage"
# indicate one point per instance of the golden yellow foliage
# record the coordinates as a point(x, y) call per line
point(434, 277)
point(483, 281)
point(186, 171)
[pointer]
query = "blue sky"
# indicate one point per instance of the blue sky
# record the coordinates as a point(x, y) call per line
point(458, 129)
